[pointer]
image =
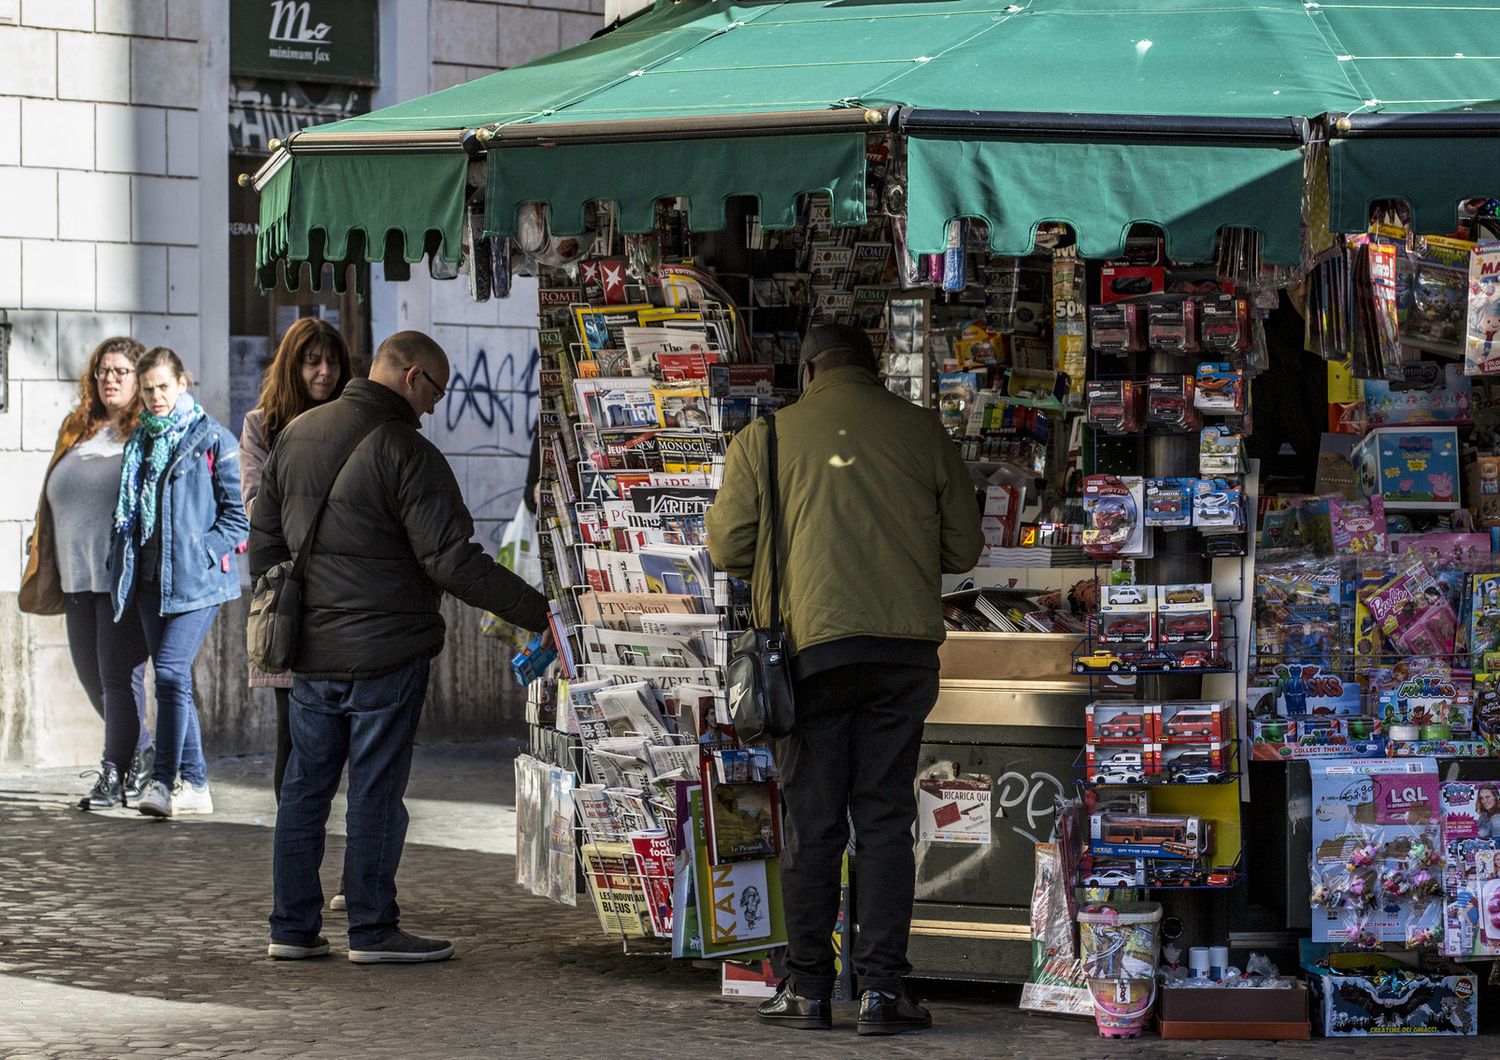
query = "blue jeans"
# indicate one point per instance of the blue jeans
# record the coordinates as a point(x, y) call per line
point(371, 723)
point(174, 641)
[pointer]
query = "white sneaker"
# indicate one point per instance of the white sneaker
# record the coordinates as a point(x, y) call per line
point(189, 799)
point(155, 800)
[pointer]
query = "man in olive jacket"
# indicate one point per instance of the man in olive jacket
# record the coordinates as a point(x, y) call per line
point(875, 507)
point(394, 537)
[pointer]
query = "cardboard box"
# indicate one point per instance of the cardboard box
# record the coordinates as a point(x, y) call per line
point(1194, 722)
point(1243, 1014)
point(1411, 468)
point(1117, 722)
point(1352, 1001)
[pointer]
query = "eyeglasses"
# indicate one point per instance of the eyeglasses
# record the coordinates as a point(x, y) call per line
point(119, 373)
point(434, 382)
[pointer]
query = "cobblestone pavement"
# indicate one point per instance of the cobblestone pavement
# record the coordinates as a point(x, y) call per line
point(126, 937)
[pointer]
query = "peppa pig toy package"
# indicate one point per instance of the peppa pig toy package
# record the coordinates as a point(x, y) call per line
point(1410, 468)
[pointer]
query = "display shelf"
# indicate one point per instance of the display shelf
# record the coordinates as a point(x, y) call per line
point(1235, 872)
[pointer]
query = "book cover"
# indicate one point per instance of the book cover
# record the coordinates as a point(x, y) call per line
point(743, 821)
point(722, 906)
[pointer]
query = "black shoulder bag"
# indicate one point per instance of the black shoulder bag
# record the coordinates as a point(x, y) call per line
point(275, 624)
point(759, 673)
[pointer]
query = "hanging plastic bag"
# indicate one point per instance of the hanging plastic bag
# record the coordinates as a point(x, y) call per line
point(518, 553)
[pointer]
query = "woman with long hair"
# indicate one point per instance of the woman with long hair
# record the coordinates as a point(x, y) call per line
point(311, 366)
point(177, 527)
point(67, 560)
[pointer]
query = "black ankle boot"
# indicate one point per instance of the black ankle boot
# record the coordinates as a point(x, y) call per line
point(107, 792)
point(790, 1009)
point(140, 772)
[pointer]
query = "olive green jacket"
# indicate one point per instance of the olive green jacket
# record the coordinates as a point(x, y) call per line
point(875, 507)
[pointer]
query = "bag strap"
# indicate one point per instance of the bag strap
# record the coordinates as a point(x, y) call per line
point(775, 491)
point(299, 566)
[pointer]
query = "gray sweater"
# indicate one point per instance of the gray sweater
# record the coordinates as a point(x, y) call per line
point(82, 491)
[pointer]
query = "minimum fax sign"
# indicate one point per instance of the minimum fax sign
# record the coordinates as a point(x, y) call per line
point(305, 40)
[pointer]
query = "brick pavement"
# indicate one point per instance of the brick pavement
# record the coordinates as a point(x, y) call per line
point(125, 937)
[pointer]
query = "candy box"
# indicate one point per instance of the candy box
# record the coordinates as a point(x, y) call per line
point(1356, 995)
point(1117, 722)
point(1410, 468)
point(1190, 722)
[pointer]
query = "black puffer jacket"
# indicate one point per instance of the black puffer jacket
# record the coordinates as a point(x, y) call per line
point(395, 536)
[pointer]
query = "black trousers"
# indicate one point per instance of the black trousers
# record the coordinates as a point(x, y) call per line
point(110, 659)
point(852, 756)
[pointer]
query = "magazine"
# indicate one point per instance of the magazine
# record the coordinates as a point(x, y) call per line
point(623, 610)
point(623, 648)
point(615, 885)
point(1481, 355)
point(653, 852)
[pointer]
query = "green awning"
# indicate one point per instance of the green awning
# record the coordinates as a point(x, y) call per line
point(692, 64)
point(1189, 191)
point(636, 175)
point(1420, 170)
point(350, 209)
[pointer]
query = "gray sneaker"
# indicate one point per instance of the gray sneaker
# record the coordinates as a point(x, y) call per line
point(186, 798)
point(155, 800)
point(401, 948)
point(296, 951)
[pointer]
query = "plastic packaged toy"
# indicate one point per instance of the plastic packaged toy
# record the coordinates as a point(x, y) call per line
point(1172, 327)
point(1113, 522)
point(1117, 329)
point(1219, 388)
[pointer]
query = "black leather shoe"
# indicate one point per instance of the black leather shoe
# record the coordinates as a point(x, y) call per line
point(106, 793)
point(141, 764)
point(788, 1009)
point(882, 1013)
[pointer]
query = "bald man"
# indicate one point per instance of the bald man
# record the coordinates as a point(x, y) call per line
point(394, 537)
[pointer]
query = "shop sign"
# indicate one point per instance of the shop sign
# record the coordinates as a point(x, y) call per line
point(953, 811)
point(307, 40)
point(260, 111)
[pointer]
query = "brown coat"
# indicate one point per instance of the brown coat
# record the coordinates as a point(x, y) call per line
point(41, 584)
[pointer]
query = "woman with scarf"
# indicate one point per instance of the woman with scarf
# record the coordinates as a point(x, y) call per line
point(311, 367)
point(178, 524)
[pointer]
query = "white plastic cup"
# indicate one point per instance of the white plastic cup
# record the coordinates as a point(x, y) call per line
point(1218, 960)
point(1198, 962)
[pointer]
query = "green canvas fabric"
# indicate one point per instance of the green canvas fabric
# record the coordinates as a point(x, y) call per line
point(1419, 170)
point(1227, 58)
point(636, 175)
point(1189, 191)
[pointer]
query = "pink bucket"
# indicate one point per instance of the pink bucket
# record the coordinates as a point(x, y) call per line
point(1122, 1006)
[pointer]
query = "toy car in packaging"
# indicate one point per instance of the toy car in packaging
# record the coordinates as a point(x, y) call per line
point(1221, 451)
point(1189, 596)
point(1218, 506)
point(1169, 403)
point(1196, 721)
point(1219, 388)
point(1193, 763)
point(1188, 627)
point(1169, 502)
point(1115, 406)
point(1117, 722)
point(1116, 765)
point(1117, 329)
point(1148, 835)
point(1113, 524)
point(1224, 324)
point(1127, 598)
point(1125, 627)
point(1172, 327)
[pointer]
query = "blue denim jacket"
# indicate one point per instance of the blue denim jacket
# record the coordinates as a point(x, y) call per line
point(203, 526)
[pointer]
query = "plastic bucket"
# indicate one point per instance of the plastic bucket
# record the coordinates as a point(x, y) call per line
point(1121, 944)
point(1122, 1006)
point(1120, 940)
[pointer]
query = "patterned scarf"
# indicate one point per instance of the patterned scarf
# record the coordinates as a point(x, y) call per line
point(138, 490)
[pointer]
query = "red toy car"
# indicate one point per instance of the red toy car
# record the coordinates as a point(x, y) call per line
point(1124, 727)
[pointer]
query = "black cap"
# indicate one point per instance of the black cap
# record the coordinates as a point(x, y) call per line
point(824, 337)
